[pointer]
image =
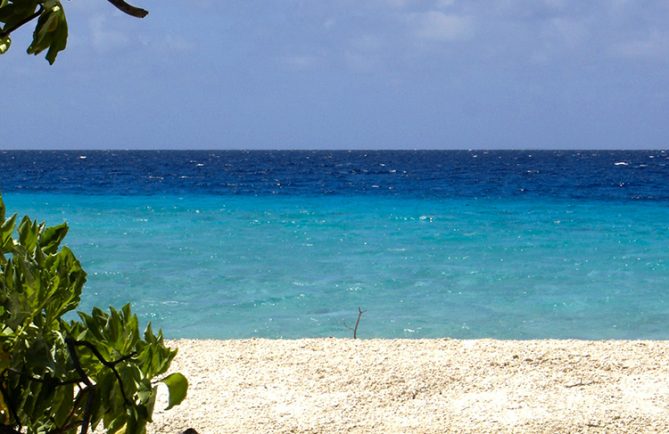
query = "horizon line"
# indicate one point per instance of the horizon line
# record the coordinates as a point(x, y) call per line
point(335, 149)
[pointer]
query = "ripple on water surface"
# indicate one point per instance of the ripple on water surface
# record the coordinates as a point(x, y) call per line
point(242, 266)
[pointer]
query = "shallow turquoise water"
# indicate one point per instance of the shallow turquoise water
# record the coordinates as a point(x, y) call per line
point(242, 266)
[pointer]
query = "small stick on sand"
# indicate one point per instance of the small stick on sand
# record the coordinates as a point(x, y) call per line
point(357, 322)
point(579, 384)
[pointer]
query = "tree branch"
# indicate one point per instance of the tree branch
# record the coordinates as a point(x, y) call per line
point(90, 387)
point(29, 18)
point(110, 365)
point(129, 9)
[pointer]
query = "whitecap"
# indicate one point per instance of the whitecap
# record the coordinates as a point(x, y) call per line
point(621, 163)
point(82, 157)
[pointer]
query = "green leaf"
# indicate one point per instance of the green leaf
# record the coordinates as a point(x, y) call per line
point(41, 35)
point(151, 402)
point(63, 400)
point(177, 386)
point(50, 32)
point(6, 229)
point(52, 237)
point(28, 234)
point(59, 39)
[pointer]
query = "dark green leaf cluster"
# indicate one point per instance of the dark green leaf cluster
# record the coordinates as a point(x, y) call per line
point(60, 376)
point(50, 32)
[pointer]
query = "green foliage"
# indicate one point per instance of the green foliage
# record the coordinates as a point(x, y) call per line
point(51, 30)
point(62, 376)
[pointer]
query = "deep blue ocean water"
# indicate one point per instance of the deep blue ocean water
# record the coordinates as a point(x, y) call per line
point(465, 244)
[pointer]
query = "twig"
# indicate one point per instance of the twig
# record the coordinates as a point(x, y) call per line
point(88, 411)
point(129, 9)
point(110, 365)
point(119, 4)
point(357, 323)
point(579, 384)
point(90, 387)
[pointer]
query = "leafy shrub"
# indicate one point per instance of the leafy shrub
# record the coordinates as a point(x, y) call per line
point(59, 376)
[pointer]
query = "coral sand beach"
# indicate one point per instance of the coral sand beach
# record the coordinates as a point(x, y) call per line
point(420, 386)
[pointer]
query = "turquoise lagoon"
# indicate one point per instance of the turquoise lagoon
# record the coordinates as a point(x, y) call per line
point(217, 266)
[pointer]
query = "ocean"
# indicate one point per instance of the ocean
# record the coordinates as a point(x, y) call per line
point(288, 244)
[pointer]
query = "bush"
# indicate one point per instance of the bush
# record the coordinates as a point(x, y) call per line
point(59, 376)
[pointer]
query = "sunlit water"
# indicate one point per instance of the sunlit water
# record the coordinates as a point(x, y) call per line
point(299, 263)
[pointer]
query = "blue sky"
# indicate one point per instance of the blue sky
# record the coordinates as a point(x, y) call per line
point(372, 74)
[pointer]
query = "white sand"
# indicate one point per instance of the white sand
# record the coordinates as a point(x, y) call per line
point(386, 386)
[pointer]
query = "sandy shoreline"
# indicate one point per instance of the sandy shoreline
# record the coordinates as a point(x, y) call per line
point(435, 385)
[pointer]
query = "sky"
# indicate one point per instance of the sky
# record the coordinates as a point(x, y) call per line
point(346, 74)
